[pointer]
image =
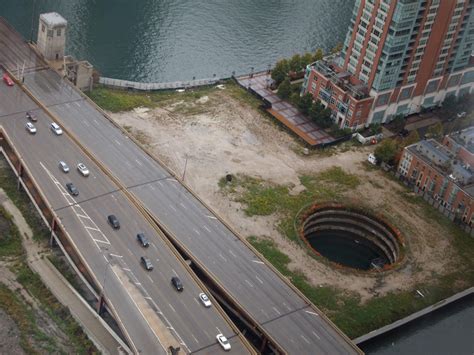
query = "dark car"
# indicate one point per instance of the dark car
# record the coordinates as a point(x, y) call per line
point(72, 189)
point(143, 240)
point(31, 116)
point(403, 133)
point(176, 282)
point(146, 263)
point(113, 221)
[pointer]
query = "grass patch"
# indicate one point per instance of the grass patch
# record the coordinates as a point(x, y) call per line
point(347, 311)
point(10, 239)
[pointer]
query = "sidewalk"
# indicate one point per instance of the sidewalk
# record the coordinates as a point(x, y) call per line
point(285, 112)
point(94, 326)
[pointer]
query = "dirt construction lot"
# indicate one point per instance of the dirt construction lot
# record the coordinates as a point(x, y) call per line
point(207, 136)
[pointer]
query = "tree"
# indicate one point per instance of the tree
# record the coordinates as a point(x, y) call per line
point(295, 63)
point(280, 72)
point(284, 89)
point(413, 137)
point(398, 123)
point(305, 103)
point(295, 99)
point(306, 59)
point(386, 150)
point(337, 48)
point(436, 131)
point(318, 55)
point(449, 104)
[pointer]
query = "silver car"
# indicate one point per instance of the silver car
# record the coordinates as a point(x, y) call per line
point(83, 169)
point(63, 166)
point(30, 127)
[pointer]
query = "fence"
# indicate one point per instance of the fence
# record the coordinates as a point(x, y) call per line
point(133, 85)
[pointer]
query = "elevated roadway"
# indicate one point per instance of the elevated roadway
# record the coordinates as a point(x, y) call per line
point(274, 306)
point(151, 313)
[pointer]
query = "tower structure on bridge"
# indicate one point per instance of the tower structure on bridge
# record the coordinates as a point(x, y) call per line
point(399, 57)
point(52, 36)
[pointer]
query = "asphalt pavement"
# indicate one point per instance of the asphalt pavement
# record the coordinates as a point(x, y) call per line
point(148, 307)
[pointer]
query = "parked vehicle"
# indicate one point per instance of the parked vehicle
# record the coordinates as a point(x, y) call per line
point(72, 189)
point(143, 240)
point(176, 282)
point(205, 300)
point(146, 263)
point(83, 169)
point(113, 221)
point(222, 340)
point(8, 80)
point(30, 127)
point(63, 166)
point(56, 129)
point(372, 159)
point(31, 116)
point(461, 114)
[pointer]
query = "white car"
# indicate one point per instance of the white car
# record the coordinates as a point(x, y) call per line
point(205, 300)
point(83, 169)
point(30, 127)
point(56, 129)
point(223, 341)
point(63, 166)
point(461, 114)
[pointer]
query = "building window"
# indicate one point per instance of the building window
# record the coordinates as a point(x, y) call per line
point(58, 32)
point(432, 86)
point(405, 94)
point(43, 28)
point(454, 80)
point(382, 100)
point(50, 33)
point(378, 117)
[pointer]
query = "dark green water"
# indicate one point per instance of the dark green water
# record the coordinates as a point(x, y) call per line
point(167, 40)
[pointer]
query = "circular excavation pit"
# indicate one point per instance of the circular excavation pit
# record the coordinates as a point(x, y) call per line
point(351, 237)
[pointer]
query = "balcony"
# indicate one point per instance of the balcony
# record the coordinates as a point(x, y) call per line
point(331, 69)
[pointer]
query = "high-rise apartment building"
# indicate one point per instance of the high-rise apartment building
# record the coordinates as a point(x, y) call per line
point(399, 56)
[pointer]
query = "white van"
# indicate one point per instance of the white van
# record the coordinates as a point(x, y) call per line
point(56, 129)
point(372, 159)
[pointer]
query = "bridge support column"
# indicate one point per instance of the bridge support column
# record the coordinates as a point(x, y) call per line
point(20, 174)
point(101, 305)
point(263, 345)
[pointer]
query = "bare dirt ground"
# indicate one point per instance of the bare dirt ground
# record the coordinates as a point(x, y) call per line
point(231, 137)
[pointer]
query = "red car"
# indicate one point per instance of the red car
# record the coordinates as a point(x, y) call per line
point(7, 80)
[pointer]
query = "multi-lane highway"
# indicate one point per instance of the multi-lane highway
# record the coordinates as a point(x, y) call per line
point(146, 304)
point(275, 306)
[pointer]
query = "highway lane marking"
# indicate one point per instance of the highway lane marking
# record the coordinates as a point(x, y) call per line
point(205, 227)
point(96, 122)
point(219, 330)
point(150, 278)
point(258, 278)
point(211, 217)
point(126, 269)
point(154, 246)
point(182, 205)
point(172, 307)
point(148, 298)
point(86, 123)
point(197, 232)
point(316, 335)
point(222, 257)
point(174, 272)
point(265, 313)
point(249, 283)
point(92, 228)
point(77, 104)
point(194, 338)
point(159, 182)
point(206, 333)
point(258, 262)
point(276, 310)
point(152, 187)
point(80, 215)
point(100, 241)
point(139, 162)
point(287, 307)
point(174, 209)
point(304, 338)
point(138, 283)
point(232, 253)
point(115, 255)
point(312, 313)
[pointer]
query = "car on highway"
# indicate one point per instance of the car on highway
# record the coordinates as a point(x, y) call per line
point(56, 129)
point(222, 340)
point(113, 221)
point(31, 116)
point(30, 127)
point(83, 169)
point(205, 300)
point(143, 240)
point(8, 80)
point(176, 282)
point(63, 166)
point(146, 263)
point(72, 189)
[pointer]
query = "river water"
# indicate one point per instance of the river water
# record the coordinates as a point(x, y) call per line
point(168, 40)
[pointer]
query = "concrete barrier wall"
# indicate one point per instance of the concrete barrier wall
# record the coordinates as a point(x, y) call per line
point(133, 85)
